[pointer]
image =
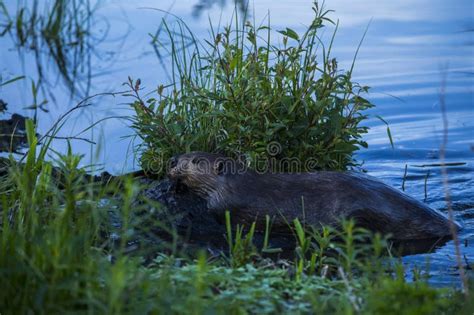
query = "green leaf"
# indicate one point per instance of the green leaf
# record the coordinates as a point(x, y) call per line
point(299, 231)
point(290, 33)
point(12, 80)
point(389, 133)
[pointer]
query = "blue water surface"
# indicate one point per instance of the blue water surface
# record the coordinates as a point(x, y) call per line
point(413, 49)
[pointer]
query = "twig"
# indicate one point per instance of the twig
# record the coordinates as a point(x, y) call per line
point(426, 185)
point(468, 267)
point(9, 135)
point(72, 138)
point(439, 164)
point(83, 103)
point(444, 172)
point(352, 296)
point(404, 177)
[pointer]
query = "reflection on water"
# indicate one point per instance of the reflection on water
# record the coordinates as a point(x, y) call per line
point(58, 34)
point(407, 248)
point(408, 42)
point(205, 5)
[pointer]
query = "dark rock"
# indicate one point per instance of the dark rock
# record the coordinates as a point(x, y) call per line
point(3, 106)
point(13, 134)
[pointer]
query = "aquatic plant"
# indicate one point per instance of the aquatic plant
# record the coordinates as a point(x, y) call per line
point(204, 5)
point(239, 94)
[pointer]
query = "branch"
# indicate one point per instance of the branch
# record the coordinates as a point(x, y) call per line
point(447, 192)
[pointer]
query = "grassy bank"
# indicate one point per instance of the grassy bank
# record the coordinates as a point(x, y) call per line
point(60, 252)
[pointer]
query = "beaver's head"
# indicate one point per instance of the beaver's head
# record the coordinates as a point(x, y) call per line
point(200, 171)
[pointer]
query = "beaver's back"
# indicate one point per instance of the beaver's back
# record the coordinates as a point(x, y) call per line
point(324, 198)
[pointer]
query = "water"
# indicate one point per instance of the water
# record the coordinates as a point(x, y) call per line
point(410, 46)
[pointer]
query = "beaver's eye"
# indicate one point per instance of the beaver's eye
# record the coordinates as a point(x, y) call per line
point(173, 162)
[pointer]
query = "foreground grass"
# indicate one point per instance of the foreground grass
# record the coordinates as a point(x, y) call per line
point(60, 253)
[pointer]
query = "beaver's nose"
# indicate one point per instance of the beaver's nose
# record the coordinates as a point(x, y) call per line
point(173, 162)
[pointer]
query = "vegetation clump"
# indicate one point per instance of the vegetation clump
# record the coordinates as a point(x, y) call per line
point(242, 95)
point(60, 252)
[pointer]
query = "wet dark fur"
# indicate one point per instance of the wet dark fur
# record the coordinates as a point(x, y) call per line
point(320, 198)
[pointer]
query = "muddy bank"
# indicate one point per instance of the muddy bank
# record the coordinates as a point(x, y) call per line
point(12, 132)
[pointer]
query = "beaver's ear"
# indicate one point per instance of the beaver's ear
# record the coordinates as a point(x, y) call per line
point(219, 167)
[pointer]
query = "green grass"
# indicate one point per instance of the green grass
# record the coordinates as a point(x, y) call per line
point(57, 255)
point(242, 94)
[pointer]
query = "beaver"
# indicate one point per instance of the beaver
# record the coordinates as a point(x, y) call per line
point(315, 198)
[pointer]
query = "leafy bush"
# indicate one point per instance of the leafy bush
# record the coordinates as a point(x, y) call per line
point(241, 95)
